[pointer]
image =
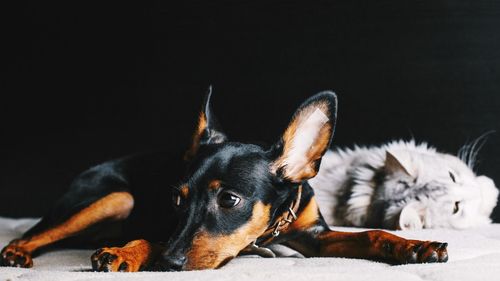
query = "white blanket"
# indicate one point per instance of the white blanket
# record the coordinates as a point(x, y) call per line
point(474, 255)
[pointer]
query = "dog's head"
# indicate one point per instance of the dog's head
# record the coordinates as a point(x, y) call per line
point(233, 190)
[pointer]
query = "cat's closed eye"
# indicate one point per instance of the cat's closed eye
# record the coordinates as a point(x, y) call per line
point(452, 176)
point(457, 207)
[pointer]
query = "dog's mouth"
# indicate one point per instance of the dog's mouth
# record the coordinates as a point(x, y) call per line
point(210, 260)
point(210, 251)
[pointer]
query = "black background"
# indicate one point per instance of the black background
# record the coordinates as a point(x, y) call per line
point(85, 82)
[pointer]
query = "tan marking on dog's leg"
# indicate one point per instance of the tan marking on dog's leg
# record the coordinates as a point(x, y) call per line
point(115, 206)
point(377, 244)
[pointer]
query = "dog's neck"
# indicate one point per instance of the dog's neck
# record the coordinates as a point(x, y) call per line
point(286, 215)
point(280, 223)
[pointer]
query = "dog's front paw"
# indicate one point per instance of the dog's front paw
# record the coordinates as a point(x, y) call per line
point(114, 260)
point(131, 258)
point(15, 256)
point(424, 252)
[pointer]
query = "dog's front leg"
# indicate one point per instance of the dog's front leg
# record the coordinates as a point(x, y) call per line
point(373, 245)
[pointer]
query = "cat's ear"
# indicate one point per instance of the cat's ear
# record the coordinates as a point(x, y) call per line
point(393, 165)
point(411, 217)
point(297, 156)
point(208, 130)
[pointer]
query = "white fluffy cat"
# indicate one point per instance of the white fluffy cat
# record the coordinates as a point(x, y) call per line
point(403, 185)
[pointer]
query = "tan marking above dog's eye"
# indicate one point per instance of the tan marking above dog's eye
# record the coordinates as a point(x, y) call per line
point(184, 191)
point(214, 184)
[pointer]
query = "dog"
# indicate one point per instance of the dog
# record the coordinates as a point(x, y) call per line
point(233, 198)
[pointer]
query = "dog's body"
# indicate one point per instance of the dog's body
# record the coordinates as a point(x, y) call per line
point(232, 197)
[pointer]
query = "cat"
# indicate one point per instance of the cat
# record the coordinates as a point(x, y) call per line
point(403, 185)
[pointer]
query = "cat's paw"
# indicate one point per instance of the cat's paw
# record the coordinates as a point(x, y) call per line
point(15, 256)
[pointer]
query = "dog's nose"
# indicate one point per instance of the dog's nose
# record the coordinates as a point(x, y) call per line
point(174, 262)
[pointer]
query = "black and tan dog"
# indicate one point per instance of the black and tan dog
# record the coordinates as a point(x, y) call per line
point(234, 196)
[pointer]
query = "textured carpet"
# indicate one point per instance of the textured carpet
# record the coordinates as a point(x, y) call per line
point(474, 255)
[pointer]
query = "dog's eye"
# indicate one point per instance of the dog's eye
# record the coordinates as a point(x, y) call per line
point(457, 207)
point(452, 176)
point(228, 200)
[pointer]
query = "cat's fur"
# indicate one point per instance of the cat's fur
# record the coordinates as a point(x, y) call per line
point(402, 185)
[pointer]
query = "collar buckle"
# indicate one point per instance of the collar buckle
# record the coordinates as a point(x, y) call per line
point(289, 217)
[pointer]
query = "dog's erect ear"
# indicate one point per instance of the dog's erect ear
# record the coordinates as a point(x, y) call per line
point(308, 136)
point(208, 129)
